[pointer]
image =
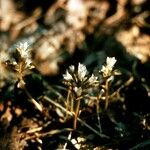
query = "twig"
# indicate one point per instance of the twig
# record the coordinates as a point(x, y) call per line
point(37, 105)
point(50, 133)
point(34, 130)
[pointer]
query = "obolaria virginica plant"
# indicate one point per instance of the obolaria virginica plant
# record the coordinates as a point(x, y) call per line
point(22, 65)
point(79, 83)
point(107, 75)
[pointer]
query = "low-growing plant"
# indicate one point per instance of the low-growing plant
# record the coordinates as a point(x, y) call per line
point(21, 65)
point(80, 83)
point(82, 87)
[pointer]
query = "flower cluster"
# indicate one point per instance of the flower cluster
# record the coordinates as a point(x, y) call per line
point(24, 55)
point(21, 62)
point(79, 79)
point(107, 70)
point(81, 84)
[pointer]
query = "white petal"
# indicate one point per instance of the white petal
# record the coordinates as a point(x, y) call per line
point(93, 79)
point(67, 76)
point(24, 50)
point(103, 68)
point(23, 46)
point(110, 62)
point(72, 68)
point(82, 71)
point(78, 91)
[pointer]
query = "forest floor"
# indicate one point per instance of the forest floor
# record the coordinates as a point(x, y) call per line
point(68, 32)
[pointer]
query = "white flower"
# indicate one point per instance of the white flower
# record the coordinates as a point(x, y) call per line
point(110, 62)
point(82, 71)
point(24, 56)
point(79, 80)
point(72, 68)
point(107, 69)
point(78, 91)
point(67, 76)
point(23, 46)
point(28, 63)
point(24, 50)
point(93, 79)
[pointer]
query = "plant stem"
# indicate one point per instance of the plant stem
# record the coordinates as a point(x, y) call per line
point(72, 104)
point(67, 104)
point(106, 94)
point(72, 114)
point(97, 111)
point(76, 114)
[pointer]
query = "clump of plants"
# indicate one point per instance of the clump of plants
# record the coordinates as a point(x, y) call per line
point(82, 86)
point(21, 65)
